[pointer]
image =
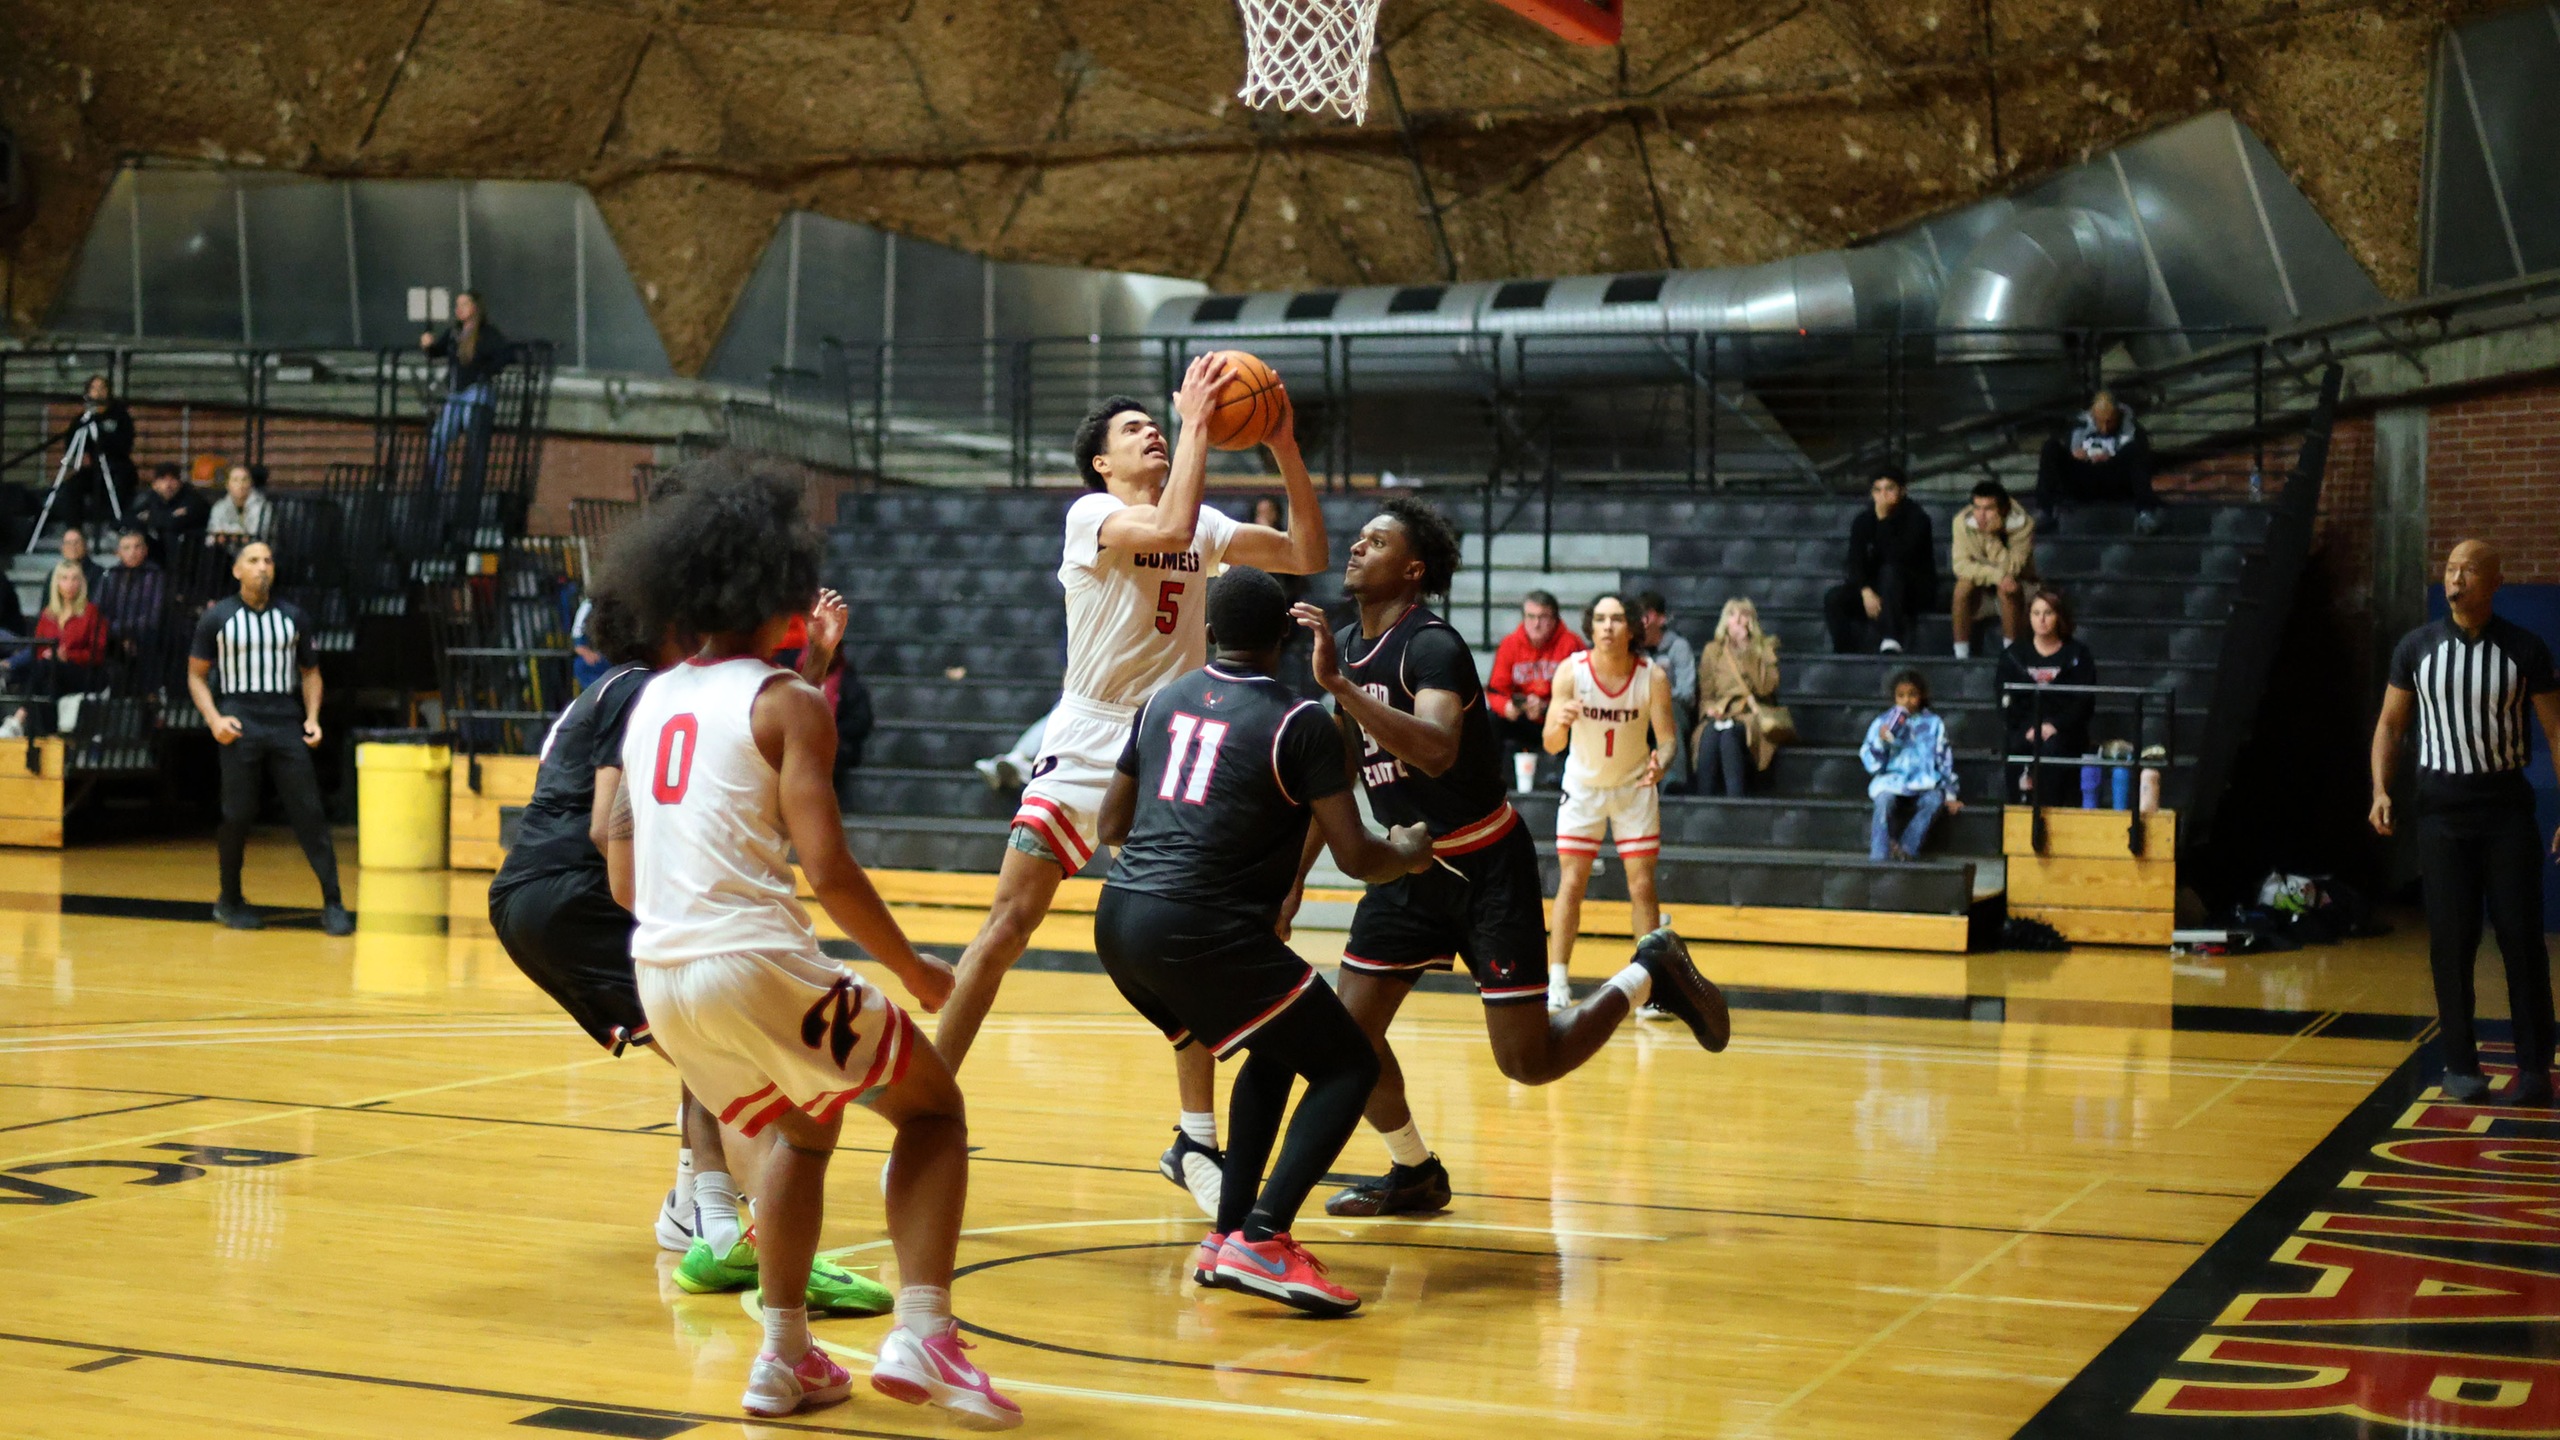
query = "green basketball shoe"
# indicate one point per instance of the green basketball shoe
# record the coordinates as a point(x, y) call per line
point(831, 1286)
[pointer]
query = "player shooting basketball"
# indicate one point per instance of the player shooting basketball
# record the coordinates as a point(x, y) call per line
point(1138, 556)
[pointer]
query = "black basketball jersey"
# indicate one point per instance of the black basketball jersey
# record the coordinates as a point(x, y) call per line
point(1421, 652)
point(1227, 765)
point(551, 834)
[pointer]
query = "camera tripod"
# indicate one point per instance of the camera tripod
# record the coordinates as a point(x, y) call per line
point(78, 444)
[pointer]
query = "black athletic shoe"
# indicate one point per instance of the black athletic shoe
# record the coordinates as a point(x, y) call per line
point(2461, 1088)
point(1196, 1168)
point(2532, 1091)
point(336, 921)
point(236, 915)
point(1404, 1190)
point(1680, 989)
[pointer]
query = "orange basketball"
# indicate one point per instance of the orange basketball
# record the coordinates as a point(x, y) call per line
point(1249, 405)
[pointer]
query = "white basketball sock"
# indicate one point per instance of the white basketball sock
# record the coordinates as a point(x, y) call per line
point(1201, 1126)
point(925, 1310)
point(715, 1198)
point(1636, 983)
point(786, 1333)
point(683, 1203)
point(1964, 649)
point(1404, 1144)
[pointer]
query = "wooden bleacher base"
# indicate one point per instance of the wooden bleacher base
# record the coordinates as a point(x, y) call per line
point(505, 781)
point(1752, 924)
point(2088, 884)
point(31, 800)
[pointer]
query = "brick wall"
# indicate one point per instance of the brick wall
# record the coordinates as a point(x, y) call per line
point(578, 467)
point(2342, 531)
point(2493, 473)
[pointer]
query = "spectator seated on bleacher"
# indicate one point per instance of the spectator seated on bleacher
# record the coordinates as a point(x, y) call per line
point(1889, 574)
point(1737, 681)
point(70, 648)
point(241, 515)
point(132, 595)
point(2050, 655)
point(74, 548)
point(1524, 676)
point(2104, 458)
point(1906, 751)
point(1994, 557)
point(1670, 649)
point(171, 511)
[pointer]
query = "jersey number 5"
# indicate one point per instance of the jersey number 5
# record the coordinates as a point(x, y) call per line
point(668, 777)
point(1168, 606)
point(1211, 734)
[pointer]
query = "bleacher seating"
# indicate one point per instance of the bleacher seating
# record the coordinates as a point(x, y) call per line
point(942, 579)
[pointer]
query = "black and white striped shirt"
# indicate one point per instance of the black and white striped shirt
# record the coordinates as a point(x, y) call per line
point(2475, 704)
point(258, 655)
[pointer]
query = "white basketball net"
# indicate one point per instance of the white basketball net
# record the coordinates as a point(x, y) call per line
point(1309, 55)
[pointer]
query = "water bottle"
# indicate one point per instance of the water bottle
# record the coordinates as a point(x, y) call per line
point(2123, 787)
point(2089, 787)
point(2150, 791)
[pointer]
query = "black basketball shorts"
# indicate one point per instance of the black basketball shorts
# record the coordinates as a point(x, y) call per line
point(1485, 907)
point(566, 934)
point(1195, 973)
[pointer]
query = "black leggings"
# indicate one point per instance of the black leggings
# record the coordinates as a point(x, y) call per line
point(1724, 761)
point(273, 747)
point(1317, 1038)
point(2487, 861)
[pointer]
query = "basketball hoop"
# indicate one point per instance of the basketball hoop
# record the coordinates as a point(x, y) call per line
point(1310, 55)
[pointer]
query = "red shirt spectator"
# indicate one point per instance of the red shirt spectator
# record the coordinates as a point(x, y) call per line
point(83, 636)
point(1524, 664)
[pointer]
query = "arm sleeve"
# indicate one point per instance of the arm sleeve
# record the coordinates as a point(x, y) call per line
point(1215, 530)
point(1871, 751)
point(1437, 660)
point(1084, 527)
point(2535, 661)
point(1684, 672)
point(1853, 556)
point(207, 627)
point(2404, 662)
point(2074, 712)
point(1943, 758)
point(437, 347)
point(1310, 755)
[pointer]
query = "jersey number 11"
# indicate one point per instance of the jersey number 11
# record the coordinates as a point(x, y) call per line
point(1211, 734)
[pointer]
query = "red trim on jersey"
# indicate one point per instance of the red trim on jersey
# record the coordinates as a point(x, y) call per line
point(1641, 845)
point(1632, 672)
point(730, 1115)
point(880, 1058)
point(1398, 623)
point(1467, 839)
point(1226, 1047)
point(1511, 994)
point(1579, 845)
point(1276, 735)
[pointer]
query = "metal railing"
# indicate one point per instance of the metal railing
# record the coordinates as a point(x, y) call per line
point(2154, 747)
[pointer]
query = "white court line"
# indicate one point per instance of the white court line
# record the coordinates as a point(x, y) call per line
point(320, 1038)
point(2004, 1299)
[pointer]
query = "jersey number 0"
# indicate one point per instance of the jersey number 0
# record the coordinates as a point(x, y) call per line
point(1211, 734)
point(668, 777)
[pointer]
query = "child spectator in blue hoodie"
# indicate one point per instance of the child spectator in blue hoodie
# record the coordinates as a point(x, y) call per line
point(1906, 751)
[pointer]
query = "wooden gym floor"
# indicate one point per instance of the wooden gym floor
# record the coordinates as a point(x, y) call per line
point(279, 1184)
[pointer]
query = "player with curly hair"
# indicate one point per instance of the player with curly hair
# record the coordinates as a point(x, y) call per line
point(730, 763)
point(1414, 721)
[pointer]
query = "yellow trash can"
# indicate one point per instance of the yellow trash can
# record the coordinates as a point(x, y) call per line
point(400, 806)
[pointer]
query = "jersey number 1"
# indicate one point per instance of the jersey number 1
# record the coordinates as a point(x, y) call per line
point(674, 769)
point(1211, 734)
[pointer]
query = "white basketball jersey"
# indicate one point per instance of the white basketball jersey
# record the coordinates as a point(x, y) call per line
point(1609, 746)
point(1135, 621)
point(711, 863)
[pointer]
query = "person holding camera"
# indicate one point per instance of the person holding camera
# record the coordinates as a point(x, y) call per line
point(2104, 458)
point(104, 432)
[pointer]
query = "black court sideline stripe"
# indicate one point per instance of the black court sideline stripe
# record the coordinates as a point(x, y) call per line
point(477, 1392)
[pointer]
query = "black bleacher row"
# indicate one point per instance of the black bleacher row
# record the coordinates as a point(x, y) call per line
point(941, 579)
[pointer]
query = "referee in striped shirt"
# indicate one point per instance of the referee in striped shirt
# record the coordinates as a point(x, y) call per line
point(259, 650)
point(2471, 681)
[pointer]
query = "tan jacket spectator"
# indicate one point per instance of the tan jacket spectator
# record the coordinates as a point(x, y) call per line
point(1994, 557)
point(1737, 683)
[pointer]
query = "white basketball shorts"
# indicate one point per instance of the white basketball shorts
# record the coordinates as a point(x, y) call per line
point(1631, 812)
point(1062, 806)
point(756, 1036)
